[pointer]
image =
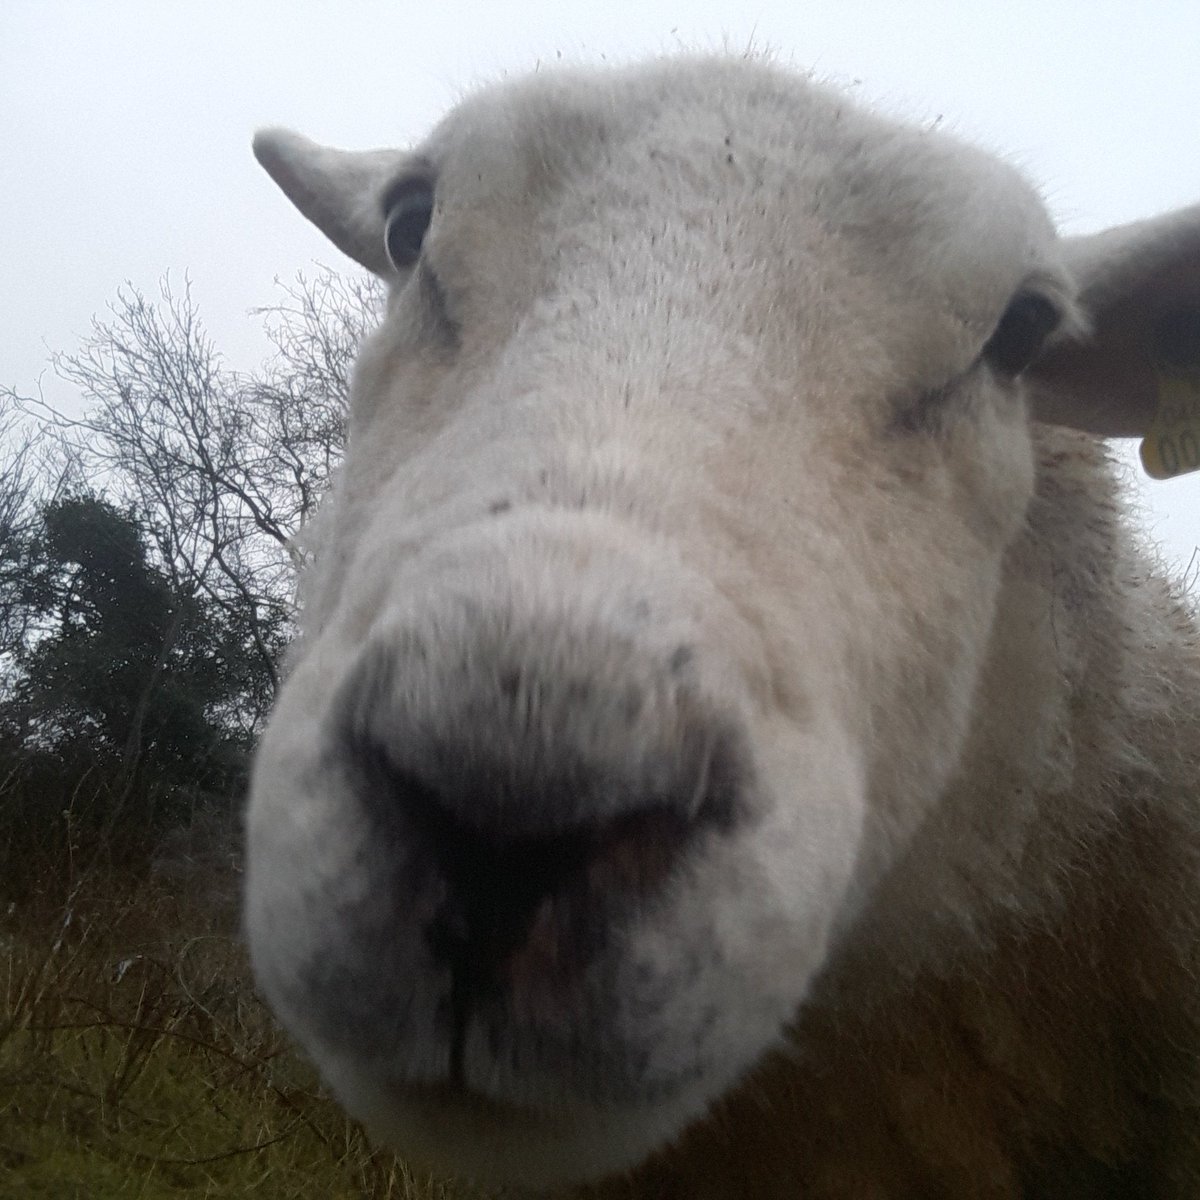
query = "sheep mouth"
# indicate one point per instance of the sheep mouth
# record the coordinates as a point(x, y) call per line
point(458, 1132)
point(460, 1098)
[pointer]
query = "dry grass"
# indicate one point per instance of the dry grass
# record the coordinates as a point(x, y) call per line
point(136, 1061)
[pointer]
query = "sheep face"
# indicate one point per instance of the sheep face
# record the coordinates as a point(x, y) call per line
point(648, 611)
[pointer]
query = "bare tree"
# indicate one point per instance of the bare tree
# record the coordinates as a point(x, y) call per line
point(224, 467)
point(299, 398)
point(32, 473)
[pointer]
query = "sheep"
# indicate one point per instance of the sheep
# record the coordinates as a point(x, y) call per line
point(738, 744)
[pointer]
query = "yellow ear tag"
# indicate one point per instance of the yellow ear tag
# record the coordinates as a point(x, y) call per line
point(1172, 443)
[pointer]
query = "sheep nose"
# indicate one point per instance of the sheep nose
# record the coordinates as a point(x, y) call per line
point(544, 783)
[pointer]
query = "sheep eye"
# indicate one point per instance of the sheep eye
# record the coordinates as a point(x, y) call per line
point(1022, 332)
point(408, 209)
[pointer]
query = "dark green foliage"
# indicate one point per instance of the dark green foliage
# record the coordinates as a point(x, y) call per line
point(127, 704)
point(141, 629)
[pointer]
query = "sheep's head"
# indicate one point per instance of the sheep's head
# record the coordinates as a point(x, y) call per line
point(654, 594)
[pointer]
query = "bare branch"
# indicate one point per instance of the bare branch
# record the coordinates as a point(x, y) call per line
point(224, 468)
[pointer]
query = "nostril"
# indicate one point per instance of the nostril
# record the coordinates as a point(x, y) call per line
point(536, 799)
point(495, 887)
point(524, 917)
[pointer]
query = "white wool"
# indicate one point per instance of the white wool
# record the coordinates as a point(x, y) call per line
point(696, 401)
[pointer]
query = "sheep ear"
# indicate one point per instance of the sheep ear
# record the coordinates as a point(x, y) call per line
point(1140, 291)
point(339, 191)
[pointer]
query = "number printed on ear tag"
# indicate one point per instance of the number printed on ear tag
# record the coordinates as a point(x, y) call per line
point(1172, 443)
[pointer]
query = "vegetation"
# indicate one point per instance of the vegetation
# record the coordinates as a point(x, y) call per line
point(135, 1061)
point(147, 562)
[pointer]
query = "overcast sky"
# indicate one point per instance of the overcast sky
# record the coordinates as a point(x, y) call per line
point(125, 126)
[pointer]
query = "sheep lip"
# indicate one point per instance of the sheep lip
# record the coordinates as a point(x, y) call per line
point(445, 1100)
point(460, 1096)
